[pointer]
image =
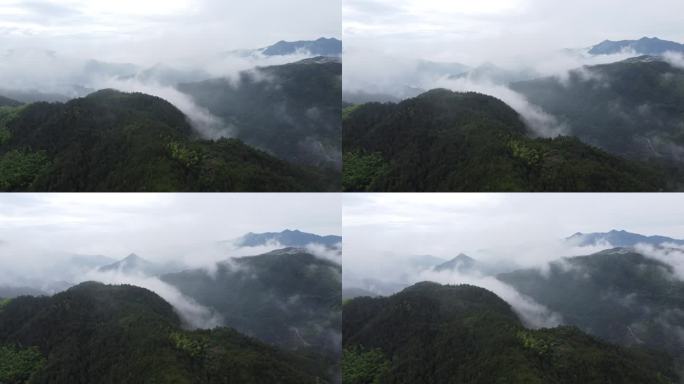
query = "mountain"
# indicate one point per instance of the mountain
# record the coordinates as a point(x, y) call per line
point(94, 333)
point(165, 75)
point(443, 141)
point(491, 73)
point(101, 69)
point(89, 261)
point(34, 95)
point(440, 69)
point(291, 111)
point(618, 295)
point(353, 293)
point(10, 292)
point(287, 238)
point(321, 47)
point(288, 298)
point(621, 239)
point(461, 263)
point(420, 262)
point(7, 102)
point(430, 333)
point(631, 108)
point(114, 141)
point(643, 46)
point(134, 264)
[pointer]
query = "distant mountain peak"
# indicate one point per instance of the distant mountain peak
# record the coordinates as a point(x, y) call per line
point(619, 238)
point(643, 46)
point(319, 47)
point(287, 238)
point(460, 263)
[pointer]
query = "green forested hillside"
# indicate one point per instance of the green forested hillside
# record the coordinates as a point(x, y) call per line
point(619, 295)
point(94, 333)
point(431, 333)
point(291, 110)
point(447, 141)
point(288, 298)
point(633, 108)
point(113, 141)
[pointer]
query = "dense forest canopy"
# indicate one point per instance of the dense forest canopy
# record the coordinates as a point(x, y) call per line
point(114, 141)
point(431, 333)
point(111, 334)
point(448, 141)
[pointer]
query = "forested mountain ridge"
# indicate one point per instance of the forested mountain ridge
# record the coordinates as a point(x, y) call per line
point(291, 110)
point(431, 333)
point(449, 141)
point(619, 295)
point(114, 141)
point(288, 298)
point(632, 108)
point(112, 334)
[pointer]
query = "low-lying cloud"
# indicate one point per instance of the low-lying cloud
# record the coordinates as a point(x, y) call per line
point(532, 314)
point(193, 314)
point(383, 77)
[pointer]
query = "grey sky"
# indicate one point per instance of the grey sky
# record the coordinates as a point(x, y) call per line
point(151, 224)
point(522, 228)
point(160, 30)
point(495, 30)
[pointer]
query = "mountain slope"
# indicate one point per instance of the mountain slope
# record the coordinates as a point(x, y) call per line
point(7, 102)
point(292, 110)
point(643, 46)
point(620, 239)
point(287, 238)
point(619, 295)
point(447, 141)
point(633, 108)
point(110, 334)
point(287, 298)
point(113, 141)
point(431, 333)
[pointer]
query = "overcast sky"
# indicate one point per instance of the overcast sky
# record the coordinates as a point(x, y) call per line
point(118, 224)
point(476, 31)
point(135, 30)
point(523, 228)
